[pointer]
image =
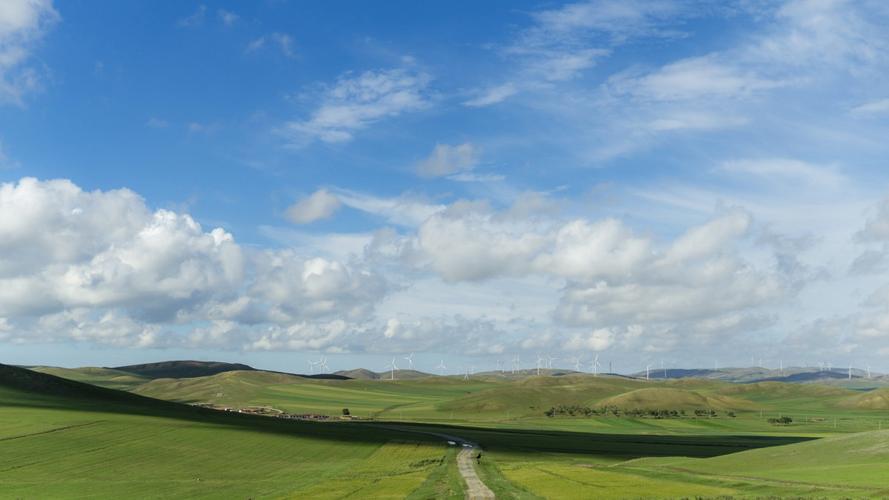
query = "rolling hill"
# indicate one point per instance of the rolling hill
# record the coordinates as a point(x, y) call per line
point(63, 438)
point(652, 398)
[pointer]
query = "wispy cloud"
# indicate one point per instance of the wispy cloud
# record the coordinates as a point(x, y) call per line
point(281, 41)
point(355, 102)
point(877, 107)
point(228, 18)
point(155, 122)
point(563, 43)
point(195, 19)
point(786, 169)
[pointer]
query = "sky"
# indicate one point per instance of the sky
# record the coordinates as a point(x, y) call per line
point(686, 183)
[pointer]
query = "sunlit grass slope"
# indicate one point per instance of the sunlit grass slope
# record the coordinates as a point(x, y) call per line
point(104, 377)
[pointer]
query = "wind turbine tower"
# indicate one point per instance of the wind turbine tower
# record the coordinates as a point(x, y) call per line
point(595, 366)
point(410, 361)
point(441, 367)
point(393, 368)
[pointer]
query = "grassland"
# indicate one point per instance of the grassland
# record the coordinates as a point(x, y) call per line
point(519, 404)
point(70, 433)
point(65, 440)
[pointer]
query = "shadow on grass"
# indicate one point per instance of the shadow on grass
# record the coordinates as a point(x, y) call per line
point(625, 446)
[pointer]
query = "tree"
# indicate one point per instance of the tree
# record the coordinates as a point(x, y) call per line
point(346, 412)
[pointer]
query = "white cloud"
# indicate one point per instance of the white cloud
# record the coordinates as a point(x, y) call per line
point(695, 121)
point(613, 277)
point(492, 95)
point(228, 18)
point(281, 41)
point(154, 122)
point(356, 102)
point(878, 107)
point(102, 267)
point(22, 24)
point(446, 160)
point(787, 170)
point(319, 205)
point(405, 210)
point(195, 19)
point(695, 78)
point(597, 340)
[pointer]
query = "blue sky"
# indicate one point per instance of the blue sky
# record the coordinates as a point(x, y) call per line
point(271, 182)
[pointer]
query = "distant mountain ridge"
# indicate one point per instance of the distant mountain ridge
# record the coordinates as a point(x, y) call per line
point(365, 374)
point(183, 369)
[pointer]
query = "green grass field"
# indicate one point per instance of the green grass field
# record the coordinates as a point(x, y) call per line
point(66, 439)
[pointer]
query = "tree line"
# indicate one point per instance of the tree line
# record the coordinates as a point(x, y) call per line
point(604, 411)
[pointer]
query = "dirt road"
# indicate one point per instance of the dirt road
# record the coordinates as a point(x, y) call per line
point(475, 488)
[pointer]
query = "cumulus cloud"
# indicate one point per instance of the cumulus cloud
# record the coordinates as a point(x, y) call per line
point(446, 160)
point(357, 101)
point(597, 340)
point(22, 24)
point(103, 267)
point(613, 277)
point(319, 205)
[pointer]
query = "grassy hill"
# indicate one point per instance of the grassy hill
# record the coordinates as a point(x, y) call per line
point(182, 369)
point(65, 439)
point(873, 400)
point(651, 398)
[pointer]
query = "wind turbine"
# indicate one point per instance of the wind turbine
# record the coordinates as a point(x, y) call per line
point(539, 360)
point(410, 361)
point(868, 371)
point(312, 365)
point(576, 363)
point(850, 371)
point(595, 366)
point(393, 368)
point(323, 365)
point(515, 363)
point(500, 366)
point(647, 371)
point(549, 363)
point(441, 367)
